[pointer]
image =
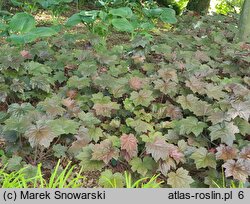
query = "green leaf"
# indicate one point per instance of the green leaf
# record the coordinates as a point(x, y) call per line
point(32, 35)
point(88, 68)
point(18, 124)
point(59, 150)
point(124, 12)
point(14, 163)
point(142, 166)
point(79, 83)
point(139, 125)
point(36, 68)
point(179, 179)
point(64, 126)
point(84, 17)
point(100, 98)
point(16, 3)
point(10, 136)
point(122, 24)
point(110, 180)
point(52, 3)
point(22, 22)
point(86, 162)
point(225, 131)
point(243, 125)
point(88, 119)
point(168, 16)
point(42, 82)
point(203, 158)
point(241, 109)
point(191, 124)
point(95, 133)
point(144, 97)
point(218, 116)
point(30, 171)
point(17, 110)
point(19, 39)
point(41, 32)
point(194, 104)
point(152, 13)
point(73, 20)
point(88, 16)
point(52, 106)
point(3, 26)
point(215, 92)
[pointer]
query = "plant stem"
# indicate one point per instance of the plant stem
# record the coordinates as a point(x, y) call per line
point(35, 156)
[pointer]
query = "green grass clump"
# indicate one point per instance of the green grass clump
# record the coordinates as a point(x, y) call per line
point(67, 178)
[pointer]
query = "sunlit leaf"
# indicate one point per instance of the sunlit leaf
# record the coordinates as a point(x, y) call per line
point(194, 104)
point(85, 157)
point(95, 133)
point(203, 158)
point(122, 24)
point(110, 180)
point(139, 125)
point(52, 106)
point(124, 12)
point(143, 97)
point(218, 116)
point(215, 92)
point(191, 124)
point(179, 179)
point(142, 166)
point(241, 109)
point(22, 22)
point(243, 125)
point(88, 119)
point(17, 110)
point(225, 131)
point(64, 126)
point(36, 68)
